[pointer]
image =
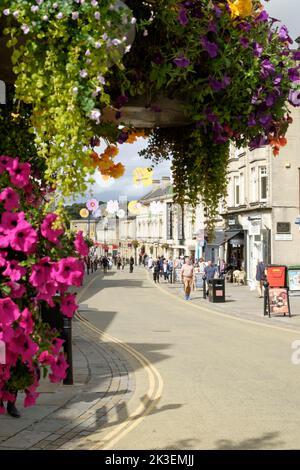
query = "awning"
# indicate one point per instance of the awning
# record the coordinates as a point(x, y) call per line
point(222, 237)
point(231, 234)
point(218, 239)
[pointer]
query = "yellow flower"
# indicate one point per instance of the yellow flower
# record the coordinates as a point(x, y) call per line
point(241, 8)
point(142, 176)
point(117, 170)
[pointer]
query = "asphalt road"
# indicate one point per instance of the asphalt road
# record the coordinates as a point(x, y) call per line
point(226, 384)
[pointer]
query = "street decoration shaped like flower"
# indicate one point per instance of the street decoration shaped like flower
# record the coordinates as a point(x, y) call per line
point(135, 207)
point(112, 207)
point(92, 205)
point(155, 207)
point(142, 176)
point(121, 213)
point(84, 213)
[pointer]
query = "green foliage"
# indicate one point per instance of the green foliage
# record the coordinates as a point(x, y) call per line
point(60, 65)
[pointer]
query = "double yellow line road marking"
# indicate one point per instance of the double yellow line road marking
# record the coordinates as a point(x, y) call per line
point(151, 398)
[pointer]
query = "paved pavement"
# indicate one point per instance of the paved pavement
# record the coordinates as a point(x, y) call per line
point(241, 303)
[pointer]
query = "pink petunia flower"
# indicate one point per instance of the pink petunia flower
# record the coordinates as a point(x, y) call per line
point(26, 321)
point(47, 291)
point(9, 311)
point(47, 230)
point(5, 163)
point(46, 359)
point(17, 290)
point(23, 238)
point(19, 173)
point(11, 220)
point(69, 271)
point(68, 306)
point(41, 272)
point(30, 399)
point(4, 239)
point(10, 199)
point(14, 270)
point(58, 369)
point(57, 345)
point(80, 245)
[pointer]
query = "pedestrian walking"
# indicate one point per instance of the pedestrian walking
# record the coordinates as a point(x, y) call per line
point(131, 264)
point(105, 264)
point(123, 263)
point(119, 262)
point(260, 277)
point(210, 272)
point(170, 269)
point(187, 276)
point(166, 270)
point(155, 271)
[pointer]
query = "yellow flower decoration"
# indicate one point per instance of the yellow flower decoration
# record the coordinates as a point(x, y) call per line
point(241, 8)
point(84, 213)
point(142, 176)
point(134, 207)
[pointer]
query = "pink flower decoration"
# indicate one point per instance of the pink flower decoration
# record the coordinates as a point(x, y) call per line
point(41, 272)
point(80, 245)
point(92, 204)
point(5, 163)
point(47, 291)
point(14, 270)
point(9, 311)
point(23, 238)
point(68, 306)
point(10, 199)
point(69, 271)
point(19, 173)
point(47, 230)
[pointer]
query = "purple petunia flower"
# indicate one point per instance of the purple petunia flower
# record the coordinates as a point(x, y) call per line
point(214, 84)
point(182, 61)
point(212, 27)
point(267, 68)
point(83, 73)
point(158, 59)
point(262, 17)
point(244, 42)
point(257, 49)
point(294, 98)
point(283, 35)
point(183, 17)
point(265, 120)
point(245, 26)
point(293, 74)
point(218, 11)
point(258, 142)
point(296, 55)
point(277, 79)
point(210, 47)
point(251, 120)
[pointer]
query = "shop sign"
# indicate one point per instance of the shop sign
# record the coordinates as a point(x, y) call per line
point(294, 279)
point(254, 229)
point(283, 227)
point(283, 237)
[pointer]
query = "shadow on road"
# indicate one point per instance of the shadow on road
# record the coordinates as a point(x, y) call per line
point(267, 440)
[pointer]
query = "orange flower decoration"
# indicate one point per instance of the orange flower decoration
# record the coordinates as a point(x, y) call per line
point(117, 170)
point(277, 143)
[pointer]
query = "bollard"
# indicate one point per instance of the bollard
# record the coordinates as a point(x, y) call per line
point(67, 336)
point(204, 288)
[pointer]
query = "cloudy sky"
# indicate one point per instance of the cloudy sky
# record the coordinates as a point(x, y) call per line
point(288, 11)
